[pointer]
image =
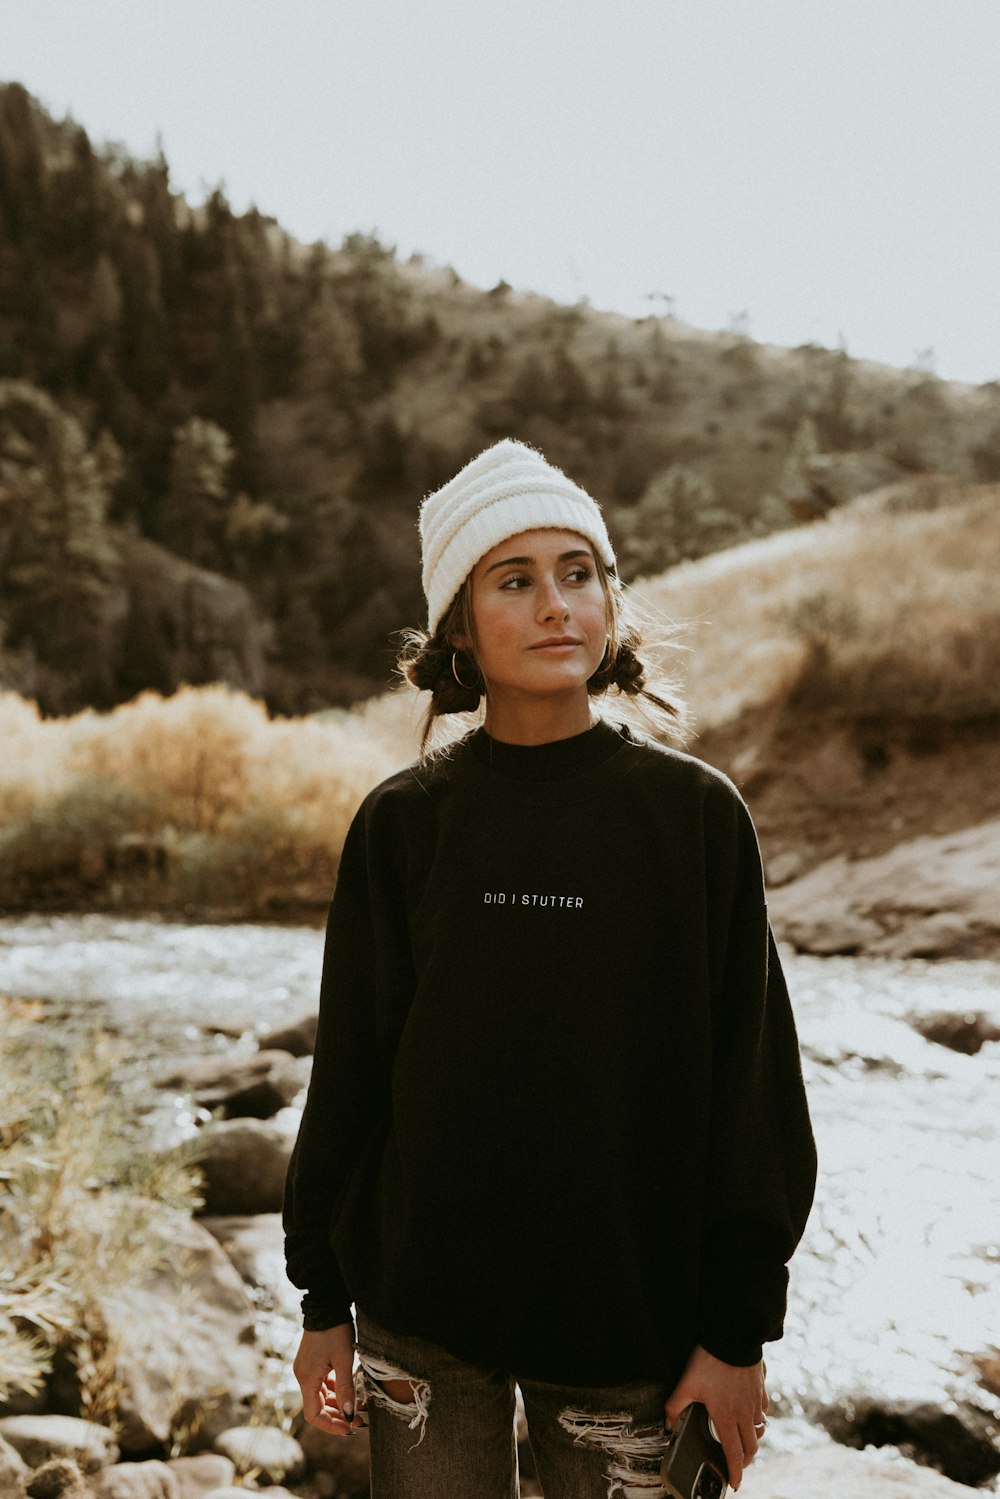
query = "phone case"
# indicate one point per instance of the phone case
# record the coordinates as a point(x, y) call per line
point(694, 1466)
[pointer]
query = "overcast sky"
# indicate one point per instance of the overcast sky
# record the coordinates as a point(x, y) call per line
point(826, 169)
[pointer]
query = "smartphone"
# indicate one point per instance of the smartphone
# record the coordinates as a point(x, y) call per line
point(694, 1466)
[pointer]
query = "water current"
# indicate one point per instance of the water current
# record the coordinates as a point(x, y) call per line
point(896, 1287)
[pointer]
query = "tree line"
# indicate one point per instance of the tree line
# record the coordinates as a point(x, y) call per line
point(271, 413)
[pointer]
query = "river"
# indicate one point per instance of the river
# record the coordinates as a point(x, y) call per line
point(897, 1284)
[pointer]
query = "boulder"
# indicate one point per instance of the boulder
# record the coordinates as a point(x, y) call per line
point(38, 1438)
point(959, 1441)
point(243, 1163)
point(345, 1459)
point(254, 1086)
point(263, 1450)
point(232, 1492)
point(13, 1468)
point(988, 1365)
point(256, 1246)
point(966, 1032)
point(840, 1473)
point(185, 1339)
point(201, 1473)
point(152, 1480)
point(299, 1039)
point(931, 897)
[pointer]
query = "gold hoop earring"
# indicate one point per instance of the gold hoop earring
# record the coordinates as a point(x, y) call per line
point(465, 686)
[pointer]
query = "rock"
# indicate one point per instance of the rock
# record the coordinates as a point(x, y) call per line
point(960, 1442)
point(256, 1246)
point(243, 1162)
point(185, 1340)
point(930, 897)
point(232, 1492)
point(263, 1450)
point(152, 1480)
point(60, 1478)
point(840, 1473)
point(967, 1033)
point(782, 867)
point(254, 1086)
point(299, 1039)
point(199, 1474)
point(345, 1458)
point(988, 1365)
point(13, 1469)
point(38, 1438)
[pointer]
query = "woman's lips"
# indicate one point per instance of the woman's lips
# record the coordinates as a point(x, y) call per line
point(557, 647)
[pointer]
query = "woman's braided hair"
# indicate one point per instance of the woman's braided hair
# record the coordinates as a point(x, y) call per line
point(453, 677)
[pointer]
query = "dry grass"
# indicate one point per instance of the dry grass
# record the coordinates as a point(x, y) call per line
point(871, 611)
point(85, 1204)
point(201, 799)
point(202, 803)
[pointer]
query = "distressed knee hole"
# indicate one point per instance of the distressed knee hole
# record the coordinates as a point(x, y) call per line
point(634, 1453)
point(398, 1389)
point(403, 1395)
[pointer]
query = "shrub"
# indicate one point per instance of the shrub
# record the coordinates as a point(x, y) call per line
point(202, 790)
point(85, 1203)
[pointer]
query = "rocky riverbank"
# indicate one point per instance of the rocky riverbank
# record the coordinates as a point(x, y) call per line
point(929, 897)
point(894, 1291)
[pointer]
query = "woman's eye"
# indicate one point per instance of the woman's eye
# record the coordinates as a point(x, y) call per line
point(516, 580)
point(580, 574)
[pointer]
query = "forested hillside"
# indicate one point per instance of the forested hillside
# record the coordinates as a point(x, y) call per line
point(213, 438)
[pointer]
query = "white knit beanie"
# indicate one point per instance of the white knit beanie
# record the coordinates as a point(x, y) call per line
point(508, 488)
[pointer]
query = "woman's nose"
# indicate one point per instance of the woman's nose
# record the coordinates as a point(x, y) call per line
point(552, 604)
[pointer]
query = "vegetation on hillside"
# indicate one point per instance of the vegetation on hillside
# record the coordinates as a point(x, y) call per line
point(271, 412)
point(889, 608)
point(203, 804)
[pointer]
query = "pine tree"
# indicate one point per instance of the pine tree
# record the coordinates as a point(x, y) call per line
point(794, 481)
point(60, 565)
point(196, 503)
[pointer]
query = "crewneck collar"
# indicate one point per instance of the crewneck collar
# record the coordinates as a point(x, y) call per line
point(548, 762)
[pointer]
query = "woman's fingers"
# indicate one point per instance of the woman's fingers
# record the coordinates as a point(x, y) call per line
point(732, 1445)
point(324, 1368)
point(735, 1398)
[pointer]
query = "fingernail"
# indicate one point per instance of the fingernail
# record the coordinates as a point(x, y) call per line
point(348, 1409)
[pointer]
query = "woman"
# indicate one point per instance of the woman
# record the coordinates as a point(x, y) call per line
point(556, 1132)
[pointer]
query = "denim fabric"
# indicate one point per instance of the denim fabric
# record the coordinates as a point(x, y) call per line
point(455, 1438)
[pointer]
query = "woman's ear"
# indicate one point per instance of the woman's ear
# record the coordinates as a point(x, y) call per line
point(459, 641)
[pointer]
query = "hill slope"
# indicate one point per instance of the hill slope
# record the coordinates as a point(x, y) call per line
point(848, 675)
point(272, 412)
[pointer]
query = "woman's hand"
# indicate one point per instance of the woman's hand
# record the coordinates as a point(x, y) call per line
point(324, 1368)
point(735, 1399)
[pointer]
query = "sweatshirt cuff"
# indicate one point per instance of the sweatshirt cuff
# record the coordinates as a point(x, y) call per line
point(319, 1313)
point(732, 1350)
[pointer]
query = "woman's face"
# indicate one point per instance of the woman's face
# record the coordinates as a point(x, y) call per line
point(539, 615)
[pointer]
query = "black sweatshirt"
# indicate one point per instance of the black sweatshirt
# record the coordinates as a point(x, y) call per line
point(556, 1122)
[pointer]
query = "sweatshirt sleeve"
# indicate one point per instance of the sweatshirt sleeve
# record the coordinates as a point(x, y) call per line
point(366, 983)
point(762, 1159)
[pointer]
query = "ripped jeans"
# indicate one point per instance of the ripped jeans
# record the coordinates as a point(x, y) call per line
point(454, 1437)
